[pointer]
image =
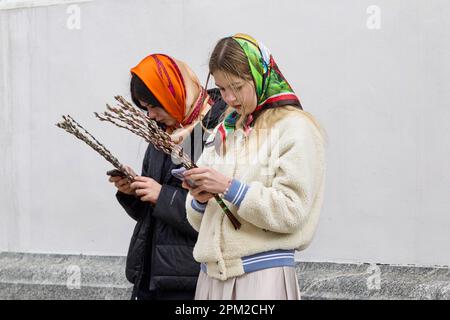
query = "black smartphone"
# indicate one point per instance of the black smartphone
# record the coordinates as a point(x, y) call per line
point(116, 173)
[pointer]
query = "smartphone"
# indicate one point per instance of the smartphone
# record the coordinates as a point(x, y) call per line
point(116, 173)
point(178, 173)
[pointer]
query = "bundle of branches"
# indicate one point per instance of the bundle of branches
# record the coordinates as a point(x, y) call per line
point(73, 127)
point(126, 116)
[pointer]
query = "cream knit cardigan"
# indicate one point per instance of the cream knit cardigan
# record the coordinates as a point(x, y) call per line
point(285, 175)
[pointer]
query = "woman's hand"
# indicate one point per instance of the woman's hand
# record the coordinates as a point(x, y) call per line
point(146, 189)
point(207, 180)
point(199, 195)
point(178, 135)
point(122, 184)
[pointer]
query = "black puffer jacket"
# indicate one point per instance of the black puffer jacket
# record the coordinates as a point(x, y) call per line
point(160, 262)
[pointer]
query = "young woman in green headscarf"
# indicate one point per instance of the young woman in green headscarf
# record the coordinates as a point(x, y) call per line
point(268, 163)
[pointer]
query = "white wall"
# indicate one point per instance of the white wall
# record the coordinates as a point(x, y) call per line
point(382, 95)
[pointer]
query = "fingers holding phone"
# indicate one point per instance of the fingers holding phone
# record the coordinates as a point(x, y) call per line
point(123, 185)
point(186, 183)
point(120, 180)
point(195, 190)
point(130, 171)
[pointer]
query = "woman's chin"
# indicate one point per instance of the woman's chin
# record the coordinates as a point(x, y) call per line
point(167, 123)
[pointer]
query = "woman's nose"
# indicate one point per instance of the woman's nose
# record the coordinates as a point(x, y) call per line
point(151, 114)
point(230, 97)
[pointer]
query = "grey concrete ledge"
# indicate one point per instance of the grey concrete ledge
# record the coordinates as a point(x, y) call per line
point(43, 276)
point(321, 280)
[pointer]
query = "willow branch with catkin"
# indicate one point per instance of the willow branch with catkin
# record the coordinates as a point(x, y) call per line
point(74, 128)
point(128, 117)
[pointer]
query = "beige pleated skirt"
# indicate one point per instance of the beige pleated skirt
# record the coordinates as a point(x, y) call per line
point(278, 283)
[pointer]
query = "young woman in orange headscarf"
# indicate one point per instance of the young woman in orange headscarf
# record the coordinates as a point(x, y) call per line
point(160, 262)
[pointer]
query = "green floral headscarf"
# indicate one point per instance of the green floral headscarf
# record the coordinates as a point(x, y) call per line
point(272, 89)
